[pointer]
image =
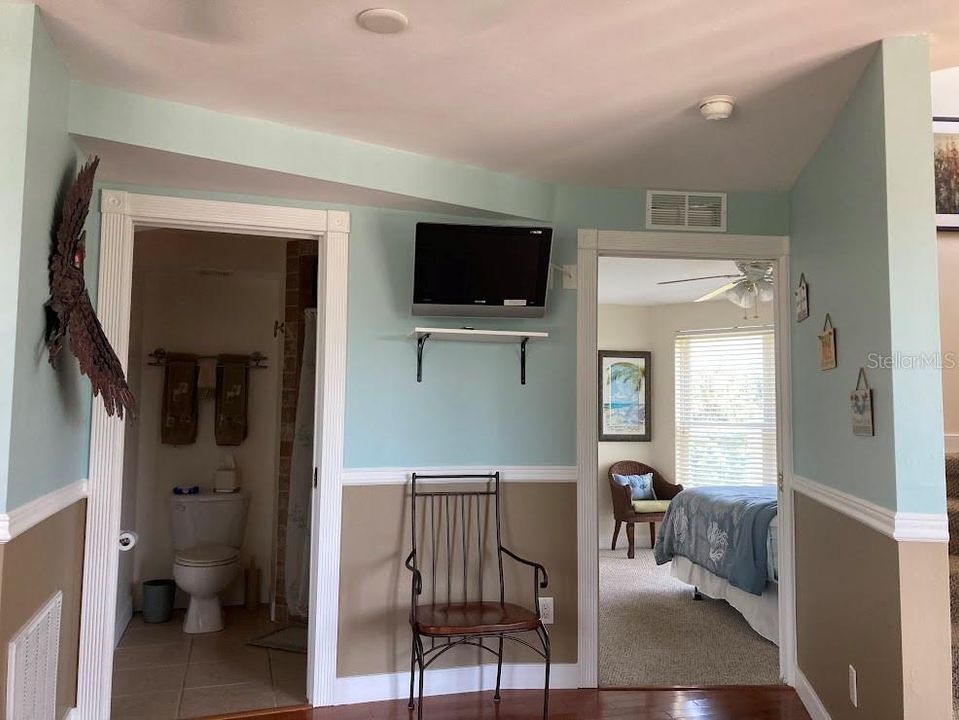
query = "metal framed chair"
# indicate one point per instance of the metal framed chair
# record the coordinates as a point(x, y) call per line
point(453, 548)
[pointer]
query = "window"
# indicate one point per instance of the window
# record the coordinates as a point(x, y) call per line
point(726, 407)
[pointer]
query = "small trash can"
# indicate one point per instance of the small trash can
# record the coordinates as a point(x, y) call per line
point(158, 600)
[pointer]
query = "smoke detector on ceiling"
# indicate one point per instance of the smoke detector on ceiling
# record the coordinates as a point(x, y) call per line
point(383, 21)
point(717, 107)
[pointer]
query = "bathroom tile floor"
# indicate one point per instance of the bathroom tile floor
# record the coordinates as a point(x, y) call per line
point(161, 673)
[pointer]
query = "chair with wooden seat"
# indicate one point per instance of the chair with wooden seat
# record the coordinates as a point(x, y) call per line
point(629, 511)
point(455, 559)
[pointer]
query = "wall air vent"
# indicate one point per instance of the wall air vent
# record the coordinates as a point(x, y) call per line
point(32, 659)
point(696, 211)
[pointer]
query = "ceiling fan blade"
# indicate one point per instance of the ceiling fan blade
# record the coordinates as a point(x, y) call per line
point(716, 293)
point(704, 277)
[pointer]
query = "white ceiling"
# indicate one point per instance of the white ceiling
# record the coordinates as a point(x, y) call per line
point(632, 281)
point(602, 93)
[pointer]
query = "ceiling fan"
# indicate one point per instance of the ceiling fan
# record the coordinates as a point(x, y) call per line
point(747, 288)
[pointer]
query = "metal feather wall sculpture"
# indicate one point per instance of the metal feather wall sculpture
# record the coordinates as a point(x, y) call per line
point(74, 316)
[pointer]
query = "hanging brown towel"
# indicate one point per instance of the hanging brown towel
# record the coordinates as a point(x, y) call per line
point(232, 398)
point(178, 422)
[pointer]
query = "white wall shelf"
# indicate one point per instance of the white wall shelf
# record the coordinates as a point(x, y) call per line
point(422, 334)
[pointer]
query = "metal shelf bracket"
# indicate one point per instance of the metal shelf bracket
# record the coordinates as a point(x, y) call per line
point(522, 361)
point(420, 342)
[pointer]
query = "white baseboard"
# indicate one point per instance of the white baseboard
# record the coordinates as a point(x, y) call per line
point(811, 701)
point(900, 526)
point(22, 518)
point(446, 681)
point(508, 473)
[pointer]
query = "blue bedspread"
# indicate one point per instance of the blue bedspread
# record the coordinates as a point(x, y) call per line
point(723, 529)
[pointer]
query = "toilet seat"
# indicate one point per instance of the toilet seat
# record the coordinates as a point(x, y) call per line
point(207, 556)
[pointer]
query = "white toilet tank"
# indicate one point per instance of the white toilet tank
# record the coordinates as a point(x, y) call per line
point(209, 519)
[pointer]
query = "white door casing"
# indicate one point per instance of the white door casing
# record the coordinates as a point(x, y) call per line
point(121, 214)
point(593, 244)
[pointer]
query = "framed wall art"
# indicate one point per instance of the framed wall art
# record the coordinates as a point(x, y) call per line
point(802, 299)
point(860, 401)
point(624, 396)
point(946, 162)
point(827, 345)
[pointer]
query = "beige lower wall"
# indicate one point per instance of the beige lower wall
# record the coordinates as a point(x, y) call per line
point(46, 558)
point(926, 658)
point(539, 523)
point(865, 600)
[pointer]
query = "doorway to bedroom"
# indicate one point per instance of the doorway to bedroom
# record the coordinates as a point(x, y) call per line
point(687, 471)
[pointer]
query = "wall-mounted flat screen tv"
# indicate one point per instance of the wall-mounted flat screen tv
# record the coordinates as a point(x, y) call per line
point(481, 270)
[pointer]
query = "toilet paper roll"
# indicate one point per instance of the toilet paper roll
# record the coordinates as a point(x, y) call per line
point(128, 539)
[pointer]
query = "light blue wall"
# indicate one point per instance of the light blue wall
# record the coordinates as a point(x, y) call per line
point(48, 406)
point(43, 447)
point(861, 232)
point(914, 306)
point(189, 130)
point(16, 42)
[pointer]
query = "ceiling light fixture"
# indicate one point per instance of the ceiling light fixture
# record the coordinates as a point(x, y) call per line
point(382, 21)
point(717, 107)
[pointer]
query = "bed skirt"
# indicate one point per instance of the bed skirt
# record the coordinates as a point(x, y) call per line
point(760, 611)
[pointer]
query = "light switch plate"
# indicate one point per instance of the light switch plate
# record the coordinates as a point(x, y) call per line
point(853, 687)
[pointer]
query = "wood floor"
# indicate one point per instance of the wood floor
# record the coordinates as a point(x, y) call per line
point(754, 703)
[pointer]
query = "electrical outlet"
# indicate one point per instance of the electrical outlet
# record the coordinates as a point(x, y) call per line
point(853, 687)
point(569, 277)
point(546, 610)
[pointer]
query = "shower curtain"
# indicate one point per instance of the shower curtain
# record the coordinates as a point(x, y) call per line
point(301, 480)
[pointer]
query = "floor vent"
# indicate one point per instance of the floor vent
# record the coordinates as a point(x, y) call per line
point(32, 660)
point(671, 210)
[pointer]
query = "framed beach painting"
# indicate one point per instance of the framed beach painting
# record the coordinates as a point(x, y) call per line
point(946, 161)
point(624, 396)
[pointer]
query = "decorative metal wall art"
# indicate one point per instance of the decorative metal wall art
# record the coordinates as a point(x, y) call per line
point(73, 313)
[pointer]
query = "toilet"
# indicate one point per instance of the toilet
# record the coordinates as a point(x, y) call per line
point(207, 534)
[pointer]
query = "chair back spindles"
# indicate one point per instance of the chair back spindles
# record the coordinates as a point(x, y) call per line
point(448, 534)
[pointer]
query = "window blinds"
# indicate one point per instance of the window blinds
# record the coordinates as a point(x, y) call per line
point(726, 407)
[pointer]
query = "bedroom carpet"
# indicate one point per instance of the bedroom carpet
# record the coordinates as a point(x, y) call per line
point(653, 634)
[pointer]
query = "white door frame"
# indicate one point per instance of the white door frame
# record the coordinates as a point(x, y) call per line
point(121, 214)
point(592, 244)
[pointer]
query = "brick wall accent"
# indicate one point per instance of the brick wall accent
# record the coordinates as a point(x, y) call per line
point(301, 266)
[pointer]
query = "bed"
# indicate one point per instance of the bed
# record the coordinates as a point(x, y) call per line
point(724, 541)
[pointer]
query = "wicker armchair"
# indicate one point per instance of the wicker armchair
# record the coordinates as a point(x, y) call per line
point(624, 510)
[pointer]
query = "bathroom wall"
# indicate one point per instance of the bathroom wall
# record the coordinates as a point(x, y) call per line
point(653, 328)
point(205, 293)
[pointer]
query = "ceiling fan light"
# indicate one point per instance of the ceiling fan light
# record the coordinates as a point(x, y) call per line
point(741, 295)
point(765, 290)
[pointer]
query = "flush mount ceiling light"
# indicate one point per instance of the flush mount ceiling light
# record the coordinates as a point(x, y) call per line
point(717, 107)
point(382, 21)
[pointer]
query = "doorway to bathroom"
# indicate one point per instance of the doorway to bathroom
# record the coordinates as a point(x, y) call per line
point(213, 586)
point(121, 215)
